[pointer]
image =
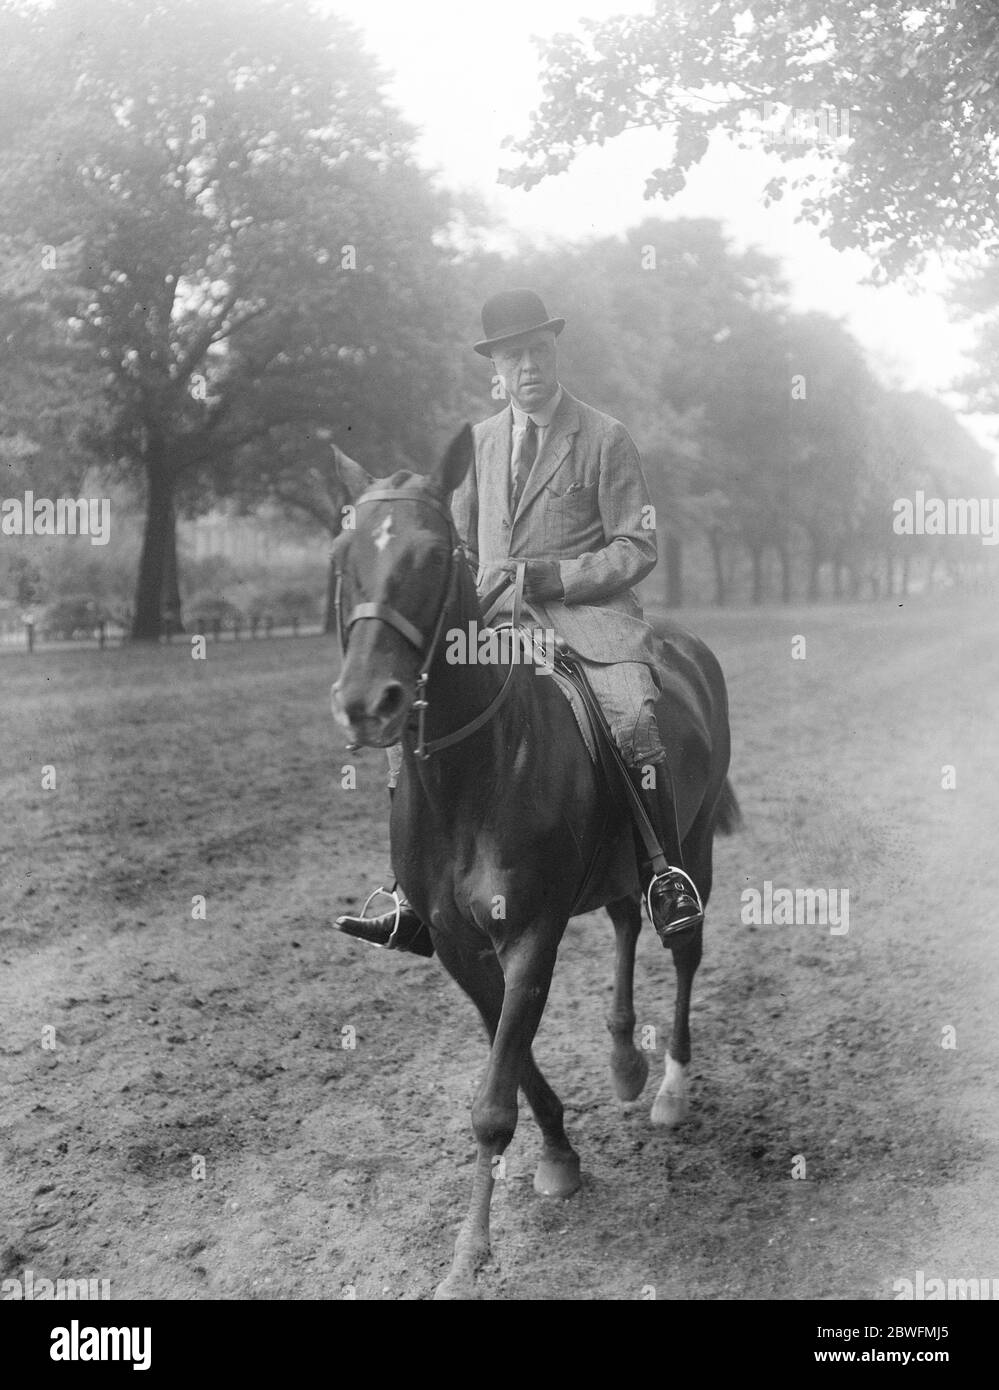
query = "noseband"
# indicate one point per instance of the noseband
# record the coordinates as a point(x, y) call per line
point(427, 648)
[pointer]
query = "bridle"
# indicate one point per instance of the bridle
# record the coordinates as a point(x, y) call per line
point(426, 647)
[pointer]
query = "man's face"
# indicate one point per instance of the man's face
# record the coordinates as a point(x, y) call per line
point(529, 369)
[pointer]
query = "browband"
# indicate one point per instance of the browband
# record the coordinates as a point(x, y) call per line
point(398, 494)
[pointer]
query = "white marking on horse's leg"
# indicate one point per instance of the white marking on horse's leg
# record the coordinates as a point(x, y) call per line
point(670, 1104)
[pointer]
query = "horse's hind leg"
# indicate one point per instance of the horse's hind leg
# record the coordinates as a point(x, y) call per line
point(629, 1067)
point(670, 1106)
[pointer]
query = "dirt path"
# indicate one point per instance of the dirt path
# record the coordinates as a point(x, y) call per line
point(330, 1169)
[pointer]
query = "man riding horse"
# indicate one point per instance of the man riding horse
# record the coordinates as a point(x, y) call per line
point(560, 486)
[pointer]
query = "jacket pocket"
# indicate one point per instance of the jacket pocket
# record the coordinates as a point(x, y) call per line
point(569, 514)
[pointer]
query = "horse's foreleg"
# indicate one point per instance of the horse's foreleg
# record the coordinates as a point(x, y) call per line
point(477, 970)
point(471, 1248)
point(527, 965)
point(629, 1067)
point(557, 1173)
point(670, 1105)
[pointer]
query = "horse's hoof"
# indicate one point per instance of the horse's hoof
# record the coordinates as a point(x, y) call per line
point(670, 1105)
point(454, 1289)
point(629, 1075)
point(557, 1177)
point(669, 1111)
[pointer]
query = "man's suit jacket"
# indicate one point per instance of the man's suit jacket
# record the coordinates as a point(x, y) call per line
point(586, 505)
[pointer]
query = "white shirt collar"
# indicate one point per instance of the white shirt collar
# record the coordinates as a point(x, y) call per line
point(542, 418)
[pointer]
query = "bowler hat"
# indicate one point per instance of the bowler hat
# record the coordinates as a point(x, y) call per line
point(510, 313)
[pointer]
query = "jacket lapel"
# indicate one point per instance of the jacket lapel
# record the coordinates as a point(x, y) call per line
point(553, 455)
point(494, 467)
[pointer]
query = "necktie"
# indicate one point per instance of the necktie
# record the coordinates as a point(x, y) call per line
point(524, 464)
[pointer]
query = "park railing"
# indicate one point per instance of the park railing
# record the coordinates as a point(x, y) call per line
point(31, 636)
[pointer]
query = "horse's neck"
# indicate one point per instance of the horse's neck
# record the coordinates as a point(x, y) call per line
point(458, 691)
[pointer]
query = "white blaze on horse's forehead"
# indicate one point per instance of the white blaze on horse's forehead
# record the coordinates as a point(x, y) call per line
point(382, 533)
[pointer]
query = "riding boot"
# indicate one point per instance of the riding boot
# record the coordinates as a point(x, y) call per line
point(398, 930)
point(671, 897)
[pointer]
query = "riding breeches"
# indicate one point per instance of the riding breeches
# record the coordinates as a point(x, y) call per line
point(626, 692)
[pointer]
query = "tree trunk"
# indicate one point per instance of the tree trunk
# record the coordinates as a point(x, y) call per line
point(718, 559)
point(839, 565)
point(674, 572)
point(148, 621)
point(172, 618)
point(785, 574)
point(757, 557)
point(814, 564)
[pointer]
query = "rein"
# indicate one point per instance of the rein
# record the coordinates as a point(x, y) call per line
point(385, 613)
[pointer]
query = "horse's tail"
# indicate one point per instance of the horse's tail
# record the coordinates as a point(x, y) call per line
point(728, 816)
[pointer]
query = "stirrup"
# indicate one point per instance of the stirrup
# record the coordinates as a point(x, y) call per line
point(397, 900)
point(669, 872)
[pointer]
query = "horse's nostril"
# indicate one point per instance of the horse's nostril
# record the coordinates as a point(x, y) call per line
point(391, 700)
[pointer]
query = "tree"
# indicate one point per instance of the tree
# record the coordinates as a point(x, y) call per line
point(923, 446)
point(50, 401)
point(50, 379)
point(913, 165)
point(831, 439)
point(649, 319)
point(257, 250)
point(977, 300)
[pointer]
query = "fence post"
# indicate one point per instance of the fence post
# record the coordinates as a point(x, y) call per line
point(29, 628)
point(101, 634)
point(217, 628)
point(254, 624)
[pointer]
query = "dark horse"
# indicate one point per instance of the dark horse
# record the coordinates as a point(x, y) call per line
point(501, 825)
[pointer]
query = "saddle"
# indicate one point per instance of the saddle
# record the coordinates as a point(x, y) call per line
point(569, 674)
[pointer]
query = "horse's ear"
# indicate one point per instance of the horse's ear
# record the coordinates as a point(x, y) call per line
point(355, 479)
point(456, 460)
